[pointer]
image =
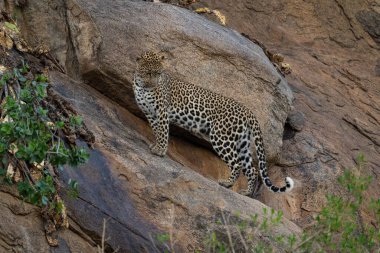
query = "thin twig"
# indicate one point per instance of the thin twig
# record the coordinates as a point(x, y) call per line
point(103, 234)
point(12, 92)
point(242, 239)
point(228, 232)
point(6, 90)
point(26, 170)
point(154, 244)
point(56, 63)
point(17, 89)
point(307, 240)
point(101, 249)
point(171, 236)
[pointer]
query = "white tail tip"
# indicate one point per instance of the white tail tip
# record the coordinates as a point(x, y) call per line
point(289, 181)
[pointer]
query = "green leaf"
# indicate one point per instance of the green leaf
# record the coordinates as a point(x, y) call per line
point(76, 121)
point(41, 78)
point(78, 156)
point(25, 189)
point(26, 95)
point(3, 172)
point(60, 124)
point(41, 90)
point(25, 67)
point(73, 188)
point(3, 148)
point(59, 206)
point(6, 128)
point(44, 200)
point(12, 27)
point(22, 79)
point(163, 238)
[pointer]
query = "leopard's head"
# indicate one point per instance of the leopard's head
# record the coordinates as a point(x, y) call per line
point(150, 63)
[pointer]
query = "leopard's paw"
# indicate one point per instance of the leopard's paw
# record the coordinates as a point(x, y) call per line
point(225, 183)
point(157, 150)
point(245, 193)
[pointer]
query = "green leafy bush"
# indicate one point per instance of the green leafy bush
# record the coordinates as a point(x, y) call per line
point(31, 146)
point(340, 227)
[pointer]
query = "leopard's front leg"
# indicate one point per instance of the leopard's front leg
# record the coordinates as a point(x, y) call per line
point(160, 127)
point(154, 103)
point(161, 132)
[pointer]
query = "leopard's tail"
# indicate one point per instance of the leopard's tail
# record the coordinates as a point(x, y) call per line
point(260, 152)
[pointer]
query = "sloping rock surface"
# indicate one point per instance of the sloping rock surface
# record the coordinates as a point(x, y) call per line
point(22, 229)
point(141, 195)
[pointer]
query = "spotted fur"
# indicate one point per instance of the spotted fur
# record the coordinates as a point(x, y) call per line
point(226, 124)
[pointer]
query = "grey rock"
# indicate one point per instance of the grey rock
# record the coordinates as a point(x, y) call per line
point(296, 120)
point(370, 20)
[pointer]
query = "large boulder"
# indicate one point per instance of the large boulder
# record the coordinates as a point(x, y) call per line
point(99, 42)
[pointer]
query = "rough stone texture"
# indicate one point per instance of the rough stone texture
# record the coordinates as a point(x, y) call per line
point(99, 41)
point(22, 229)
point(143, 195)
point(370, 20)
point(296, 120)
point(335, 79)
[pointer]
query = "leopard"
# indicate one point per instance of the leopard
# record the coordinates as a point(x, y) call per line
point(228, 125)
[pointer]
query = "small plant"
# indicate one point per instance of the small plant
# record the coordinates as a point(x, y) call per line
point(31, 146)
point(164, 239)
point(242, 235)
point(338, 227)
point(167, 240)
point(216, 245)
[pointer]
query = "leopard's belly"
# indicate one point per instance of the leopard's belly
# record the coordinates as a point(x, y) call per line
point(191, 121)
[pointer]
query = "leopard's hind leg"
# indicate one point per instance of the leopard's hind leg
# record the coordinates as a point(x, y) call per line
point(227, 151)
point(245, 157)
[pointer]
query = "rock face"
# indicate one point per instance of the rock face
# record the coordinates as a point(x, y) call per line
point(22, 229)
point(333, 50)
point(370, 20)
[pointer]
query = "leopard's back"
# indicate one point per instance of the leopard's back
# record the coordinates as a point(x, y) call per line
point(199, 110)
